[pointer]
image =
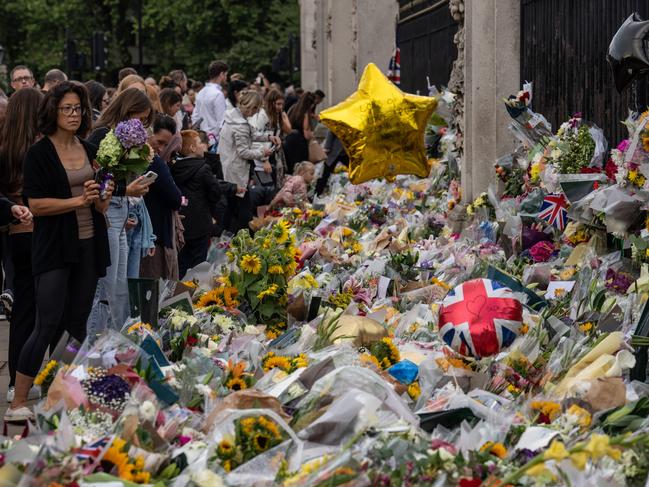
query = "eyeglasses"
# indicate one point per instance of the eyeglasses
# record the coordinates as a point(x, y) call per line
point(72, 110)
point(22, 79)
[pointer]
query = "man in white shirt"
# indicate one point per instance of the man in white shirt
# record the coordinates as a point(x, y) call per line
point(210, 102)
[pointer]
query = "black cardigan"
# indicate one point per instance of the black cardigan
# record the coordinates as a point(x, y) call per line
point(55, 241)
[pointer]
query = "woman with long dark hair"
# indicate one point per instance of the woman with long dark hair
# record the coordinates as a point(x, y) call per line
point(18, 134)
point(296, 145)
point(98, 98)
point(170, 103)
point(235, 89)
point(70, 241)
point(111, 306)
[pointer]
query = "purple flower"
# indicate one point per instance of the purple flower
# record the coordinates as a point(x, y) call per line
point(618, 282)
point(131, 133)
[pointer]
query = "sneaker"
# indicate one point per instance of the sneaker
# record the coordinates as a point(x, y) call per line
point(34, 393)
point(8, 301)
point(19, 414)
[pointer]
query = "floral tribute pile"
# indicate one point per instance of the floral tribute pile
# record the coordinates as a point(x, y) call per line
point(390, 334)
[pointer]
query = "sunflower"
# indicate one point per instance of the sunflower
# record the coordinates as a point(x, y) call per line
point(414, 391)
point(368, 358)
point(278, 362)
point(236, 384)
point(394, 351)
point(275, 269)
point(271, 334)
point(247, 424)
point(210, 298)
point(261, 442)
point(225, 449)
point(251, 264)
point(270, 426)
point(300, 361)
point(270, 291)
point(283, 228)
point(142, 478)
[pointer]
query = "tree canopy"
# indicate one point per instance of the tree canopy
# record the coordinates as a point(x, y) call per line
point(185, 34)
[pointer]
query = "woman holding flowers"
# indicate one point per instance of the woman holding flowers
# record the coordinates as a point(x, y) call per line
point(70, 240)
point(111, 303)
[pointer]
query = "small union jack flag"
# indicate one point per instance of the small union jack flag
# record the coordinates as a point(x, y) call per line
point(554, 210)
point(94, 450)
point(480, 317)
point(394, 68)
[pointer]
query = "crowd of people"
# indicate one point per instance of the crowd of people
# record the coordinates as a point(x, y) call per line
point(224, 151)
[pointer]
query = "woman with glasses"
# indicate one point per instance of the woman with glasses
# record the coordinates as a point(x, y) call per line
point(70, 241)
point(111, 306)
point(17, 135)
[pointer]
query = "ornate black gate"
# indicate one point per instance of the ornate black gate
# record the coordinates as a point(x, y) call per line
point(425, 36)
point(563, 51)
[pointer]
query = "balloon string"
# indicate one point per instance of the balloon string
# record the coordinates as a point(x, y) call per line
point(634, 97)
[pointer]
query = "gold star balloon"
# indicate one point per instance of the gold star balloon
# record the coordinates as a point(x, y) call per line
point(381, 128)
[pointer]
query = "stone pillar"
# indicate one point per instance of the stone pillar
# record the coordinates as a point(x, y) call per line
point(339, 38)
point(492, 73)
point(310, 44)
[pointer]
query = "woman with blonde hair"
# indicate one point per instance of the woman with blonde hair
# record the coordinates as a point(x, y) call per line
point(236, 151)
point(132, 81)
point(152, 93)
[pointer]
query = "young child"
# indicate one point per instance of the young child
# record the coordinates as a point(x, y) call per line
point(195, 180)
point(294, 191)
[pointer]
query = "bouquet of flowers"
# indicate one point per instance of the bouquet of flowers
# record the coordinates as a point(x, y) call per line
point(577, 147)
point(124, 152)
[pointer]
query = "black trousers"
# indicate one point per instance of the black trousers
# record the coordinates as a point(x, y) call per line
point(193, 253)
point(23, 316)
point(321, 184)
point(63, 301)
point(240, 212)
point(7, 264)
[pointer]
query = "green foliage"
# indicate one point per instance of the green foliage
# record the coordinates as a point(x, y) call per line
point(185, 34)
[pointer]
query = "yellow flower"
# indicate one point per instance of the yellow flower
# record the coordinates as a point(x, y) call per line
point(579, 460)
point(270, 426)
point(40, 378)
point(261, 442)
point(227, 465)
point(275, 269)
point(271, 334)
point(236, 384)
point(550, 409)
point(210, 298)
point(189, 284)
point(535, 171)
point(586, 327)
point(582, 416)
point(497, 449)
point(356, 248)
point(557, 451)
point(599, 446)
point(370, 359)
point(278, 361)
point(441, 284)
point(414, 391)
point(270, 291)
point(251, 264)
point(395, 356)
point(283, 226)
point(524, 329)
point(247, 425)
point(347, 232)
point(230, 256)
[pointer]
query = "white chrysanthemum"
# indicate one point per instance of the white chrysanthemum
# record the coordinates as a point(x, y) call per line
point(147, 411)
point(207, 478)
point(225, 323)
